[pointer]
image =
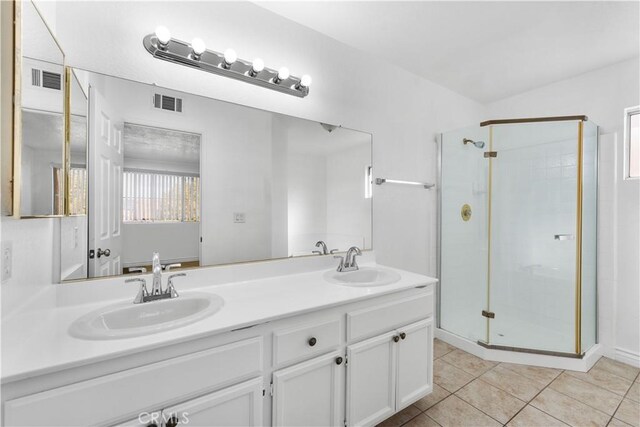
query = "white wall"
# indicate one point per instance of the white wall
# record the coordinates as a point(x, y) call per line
point(73, 247)
point(176, 242)
point(348, 211)
point(603, 95)
point(307, 201)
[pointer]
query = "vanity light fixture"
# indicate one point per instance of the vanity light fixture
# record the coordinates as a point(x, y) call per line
point(163, 36)
point(161, 45)
point(230, 56)
point(198, 48)
point(256, 66)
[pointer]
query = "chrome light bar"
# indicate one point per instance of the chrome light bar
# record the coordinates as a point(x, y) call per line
point(195, 55)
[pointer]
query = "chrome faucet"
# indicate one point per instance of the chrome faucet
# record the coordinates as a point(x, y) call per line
point(156, 269)
point(348, 263)
point(156, 291)
point(324, 251)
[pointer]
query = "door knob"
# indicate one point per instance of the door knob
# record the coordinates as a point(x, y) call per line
point(105, 252)
point(403, 335)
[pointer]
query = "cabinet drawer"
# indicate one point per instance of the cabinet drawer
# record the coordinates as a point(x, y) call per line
point(307, 340)
point(385, 317)
point(125, 394)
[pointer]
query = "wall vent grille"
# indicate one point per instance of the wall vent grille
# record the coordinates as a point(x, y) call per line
point(168, 103)
point(46, 79)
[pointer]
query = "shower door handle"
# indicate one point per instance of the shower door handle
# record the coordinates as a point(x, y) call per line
point(564, 236)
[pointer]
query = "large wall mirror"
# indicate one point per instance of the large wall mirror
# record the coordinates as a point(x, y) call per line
point(41, 154)
point(203, 182)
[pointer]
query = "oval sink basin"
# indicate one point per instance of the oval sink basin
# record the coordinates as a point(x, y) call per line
point(363, 277)
point(126, 320)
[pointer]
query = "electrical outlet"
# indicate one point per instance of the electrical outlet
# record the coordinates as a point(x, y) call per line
point(239, 217)
point(7, 260)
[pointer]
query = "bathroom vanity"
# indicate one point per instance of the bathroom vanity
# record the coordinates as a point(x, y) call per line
point(287, 347)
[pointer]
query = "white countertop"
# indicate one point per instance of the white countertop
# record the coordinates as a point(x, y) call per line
point(36, 341)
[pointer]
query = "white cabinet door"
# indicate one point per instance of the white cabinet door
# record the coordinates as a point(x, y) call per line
point(239, 405)
point(309, 393)
point(371, 372)
point(415, 375)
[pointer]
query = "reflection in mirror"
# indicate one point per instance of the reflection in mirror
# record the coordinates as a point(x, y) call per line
point(73, 228)
point(205, 182)
point(42, 98)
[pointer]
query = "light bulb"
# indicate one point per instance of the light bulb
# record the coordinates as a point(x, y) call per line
point(257, 66)
point(230, 56)
point(283, 74)
point(198, 46)
point(163, 35)
point(305, 80)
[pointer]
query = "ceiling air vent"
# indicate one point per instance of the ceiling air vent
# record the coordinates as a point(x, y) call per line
point(46, 79)
point(168, 103)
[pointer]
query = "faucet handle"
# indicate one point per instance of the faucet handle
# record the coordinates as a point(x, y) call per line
point(171, 290)
point(142, 292)
point(341, 265)
point(333, 251)
point(174, 265)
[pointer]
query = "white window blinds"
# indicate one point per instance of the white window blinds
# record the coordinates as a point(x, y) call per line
point(150, 196)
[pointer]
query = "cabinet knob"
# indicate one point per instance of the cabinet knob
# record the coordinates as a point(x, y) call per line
point(312, 341)
point(403, 335)
point(396, 338)
point(152, 425)
point(338, 360)
point(173, 422)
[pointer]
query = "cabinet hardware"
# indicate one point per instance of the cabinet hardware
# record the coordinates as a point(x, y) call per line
point(488, 154)
point(173, 422)
point(396, 338)
point(403, 335)
point(312, 341)
point(338, 360)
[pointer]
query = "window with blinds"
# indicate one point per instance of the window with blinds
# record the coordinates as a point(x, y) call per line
point(150, 196)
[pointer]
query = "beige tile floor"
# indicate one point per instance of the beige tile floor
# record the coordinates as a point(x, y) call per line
point(469, 391)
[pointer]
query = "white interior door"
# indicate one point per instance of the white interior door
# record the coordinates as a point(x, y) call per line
point(415, 374)
point(105, 187)
point(240, 405)
point(371, 380)
point(309, 393)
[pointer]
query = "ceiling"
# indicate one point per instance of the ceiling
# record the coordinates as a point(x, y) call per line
point(311, 138)
point(166, 145)
point(483, 50)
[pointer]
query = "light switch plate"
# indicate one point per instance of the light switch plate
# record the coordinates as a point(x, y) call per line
point(239, 217)
point(6, 251)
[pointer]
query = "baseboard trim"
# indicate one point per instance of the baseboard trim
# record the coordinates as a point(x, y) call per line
point(626, 356)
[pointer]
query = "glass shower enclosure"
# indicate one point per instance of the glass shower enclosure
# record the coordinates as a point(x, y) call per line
point(517, 261)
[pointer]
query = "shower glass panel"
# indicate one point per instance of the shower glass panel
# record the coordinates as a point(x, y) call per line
point(532, 258)
point(589, 218)
point(464, 247)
